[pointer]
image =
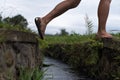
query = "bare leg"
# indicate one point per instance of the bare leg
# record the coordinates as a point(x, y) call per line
point(103, 11)
point(58, 10)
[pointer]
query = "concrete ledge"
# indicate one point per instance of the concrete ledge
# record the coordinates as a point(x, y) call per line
point(17, 36)
point(18, 50)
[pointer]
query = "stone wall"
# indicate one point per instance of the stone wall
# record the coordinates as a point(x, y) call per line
point(17, 50)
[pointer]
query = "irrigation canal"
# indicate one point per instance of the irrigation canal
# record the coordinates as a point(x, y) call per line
point(58, 70)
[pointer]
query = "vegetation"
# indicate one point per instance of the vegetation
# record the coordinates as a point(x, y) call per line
point(70, 39)
point(88, 25)
point(17, 22)
point(34, 74)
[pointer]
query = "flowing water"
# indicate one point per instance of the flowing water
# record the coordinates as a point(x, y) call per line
point(60, 71)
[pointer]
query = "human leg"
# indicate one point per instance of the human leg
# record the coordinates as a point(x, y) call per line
point(58, 10)
point(103, 11)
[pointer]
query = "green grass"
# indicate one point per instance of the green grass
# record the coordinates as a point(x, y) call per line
point(69, 39)
point(33, 74)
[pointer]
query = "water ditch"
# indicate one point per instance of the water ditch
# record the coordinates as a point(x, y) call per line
point(58, 70)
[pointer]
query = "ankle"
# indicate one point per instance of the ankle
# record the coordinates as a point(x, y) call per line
point(104, 34)
point(101, 32)
point(44, 20)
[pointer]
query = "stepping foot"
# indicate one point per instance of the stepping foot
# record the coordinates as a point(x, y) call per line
point(108, 36)
point(39, 25)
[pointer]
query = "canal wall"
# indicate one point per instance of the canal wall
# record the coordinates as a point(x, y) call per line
point(18, 51)
point(98, 59)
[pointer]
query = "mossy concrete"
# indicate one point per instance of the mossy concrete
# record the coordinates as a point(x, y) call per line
point(17, 36)
point(17, 50)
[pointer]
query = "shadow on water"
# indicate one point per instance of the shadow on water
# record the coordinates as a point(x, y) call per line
point(56, 70)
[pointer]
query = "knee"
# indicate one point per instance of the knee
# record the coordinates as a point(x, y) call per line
point(74, 3)
point(105, 2)
point(109, 1)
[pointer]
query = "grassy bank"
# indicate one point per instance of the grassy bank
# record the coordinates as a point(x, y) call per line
point(85, 54)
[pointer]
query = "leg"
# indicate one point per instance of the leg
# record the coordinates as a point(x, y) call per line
point(103, 11)
point(58, 10)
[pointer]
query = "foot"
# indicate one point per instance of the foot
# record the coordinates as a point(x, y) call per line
point(103, 35)
point(40, 26)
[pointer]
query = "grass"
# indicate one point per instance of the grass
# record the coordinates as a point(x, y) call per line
point(69, 39)
point(33, 74)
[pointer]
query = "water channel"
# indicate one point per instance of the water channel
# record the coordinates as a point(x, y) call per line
point(60, 71)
